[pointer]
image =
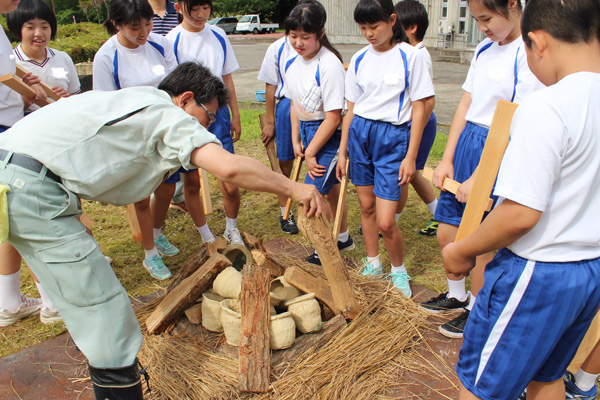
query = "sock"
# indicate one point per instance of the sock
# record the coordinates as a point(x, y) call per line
point(46, 300)
point(10, 291)
point(282, 210)
point(375, 262)
point(431, 206)
point(156, 233)
point(231, 223)
point(457, 290)
point(400, 269)
point(585, 381)
point(397, 216)
point(343, 237)
point(471, 301)
point(207, 236)
point(316, 255)
point(152, 252)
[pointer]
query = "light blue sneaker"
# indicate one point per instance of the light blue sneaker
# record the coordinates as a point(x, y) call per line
point(164, 247)
point(400, 280)
point(157, 267)
point(369, 268)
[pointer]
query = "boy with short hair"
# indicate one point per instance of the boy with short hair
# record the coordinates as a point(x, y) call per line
point(548, 182)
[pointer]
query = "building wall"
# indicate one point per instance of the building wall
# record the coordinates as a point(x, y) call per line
point(340, 26)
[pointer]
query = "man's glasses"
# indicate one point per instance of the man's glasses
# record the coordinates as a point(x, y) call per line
point(211, 116)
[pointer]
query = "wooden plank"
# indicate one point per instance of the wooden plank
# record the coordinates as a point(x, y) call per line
point(308, 283)
point(266, 261)
point(254, 351)
point(295, 174)
point(86, 221)
point(22, 88)
point(340, 206)
point(134, 224)
point(450, 185)
point(190, 266)
point(487, 170)
point(270, 147)
point(185, 294)
point(205, 191)
point(47, 88)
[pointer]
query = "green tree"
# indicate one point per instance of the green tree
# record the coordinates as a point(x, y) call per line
point(266, 8)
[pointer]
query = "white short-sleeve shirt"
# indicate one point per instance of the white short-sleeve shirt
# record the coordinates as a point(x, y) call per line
point(11, 103)
point(427, 57)
point(383, 86)
point(300, 76)
point(497, 73)
point(56, 70)
point(209, 47)
point(117, 67)
point(271, 70)
point(552, 164)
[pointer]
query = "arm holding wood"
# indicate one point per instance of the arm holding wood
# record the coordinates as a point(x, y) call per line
point(343, 153)
point(268, 130)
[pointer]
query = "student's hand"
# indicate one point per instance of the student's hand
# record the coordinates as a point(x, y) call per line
point(60, 91)
point(408, 169)
point(443, 171)
point(314, 170)
point(31, 79)
point(298, 152)
point(26, 103)
point(310, 197)
point(464, 190)
point(267, 134)
point(236, 128)
point(340, 169)
point(455, 263)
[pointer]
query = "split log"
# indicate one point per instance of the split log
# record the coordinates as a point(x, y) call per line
point(185, 294)
point(266, 261)
point(316, 229)
point(337, 222)
point(217, 246)
point(270, 147)
point(239, 255)
point(252, 242)
point(190, 266)
point(308, 283)
point(295, 175)
point(254, 350)
point(194, 314)
point(205, 191)
point(134, 224)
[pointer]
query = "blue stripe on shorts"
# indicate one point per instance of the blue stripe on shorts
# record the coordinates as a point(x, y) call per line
point(325, 156)
point(427, 140)
point(376, 150)
point(283, 130)
point(466, 158)
point(527, 323)
point(221, 128)
point(176, 177)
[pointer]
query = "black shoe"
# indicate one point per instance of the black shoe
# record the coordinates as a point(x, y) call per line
point(430, 229)
point(346, 246)
point(360, 230)
point(454, 329)
point(443, 303)
point(289, 225)
point(313, 259)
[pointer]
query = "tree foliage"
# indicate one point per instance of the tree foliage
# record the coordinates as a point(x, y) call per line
point(270, 10)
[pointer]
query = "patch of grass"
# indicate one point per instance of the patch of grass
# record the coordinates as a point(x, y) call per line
point(259, 216)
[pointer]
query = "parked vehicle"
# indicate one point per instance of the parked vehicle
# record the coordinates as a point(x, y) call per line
point(228, 24)
point(251, 23)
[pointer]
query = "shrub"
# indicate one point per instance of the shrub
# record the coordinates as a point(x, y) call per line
point(80, 41)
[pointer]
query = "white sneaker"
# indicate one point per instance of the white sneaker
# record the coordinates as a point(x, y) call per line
point(233, 236)
point(27, 308)
point(49, 317)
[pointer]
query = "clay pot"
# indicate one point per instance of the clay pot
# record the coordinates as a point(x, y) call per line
point(228, 283)
point(231, 318)
point(283, 289)
point(282, 331)
point(211, 312)
point(306, 312)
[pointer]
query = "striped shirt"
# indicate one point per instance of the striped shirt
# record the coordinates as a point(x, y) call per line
point(163, 25)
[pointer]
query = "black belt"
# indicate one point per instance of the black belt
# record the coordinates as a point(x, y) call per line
point(29, 163)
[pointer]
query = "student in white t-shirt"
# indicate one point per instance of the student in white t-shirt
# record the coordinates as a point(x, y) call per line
point(134, 56)
point(35, 24)
point(278, 116)
point(386, 86)
point(314, 81)
point(195, 40)
point(498, 71)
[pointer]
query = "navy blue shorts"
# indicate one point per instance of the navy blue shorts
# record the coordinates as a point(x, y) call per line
point(466, 158)
point(427, 140)
point(376, 150)
point(527, 323)
point(176, 177)
point(283, 130)
point(325, 156)
point(221, 128)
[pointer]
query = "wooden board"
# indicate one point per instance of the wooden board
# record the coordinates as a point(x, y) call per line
point(254, 351)
point(295, 174)
point(205, 191)
point(185, 294)
point(308, 283)
point(21, 72)
point(270, 147)
point(22, 88)
point(340, 206)
point(450, 185)
point(317, 230)
point(134, 224)
point(265, 261)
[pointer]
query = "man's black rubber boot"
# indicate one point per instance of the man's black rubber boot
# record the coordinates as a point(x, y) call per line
point(118, 383)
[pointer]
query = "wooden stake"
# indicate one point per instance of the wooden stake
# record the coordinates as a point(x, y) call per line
point(270, 147)
point(317, 230)
point(254, 350)
point(134, 224)
point(340, 206)
point(205, 191)
point(47, 88)
point(266, 261)
point(22, 88)
point(450, 185)
point(185, 294)
point(295, 174)
point(308, 283)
